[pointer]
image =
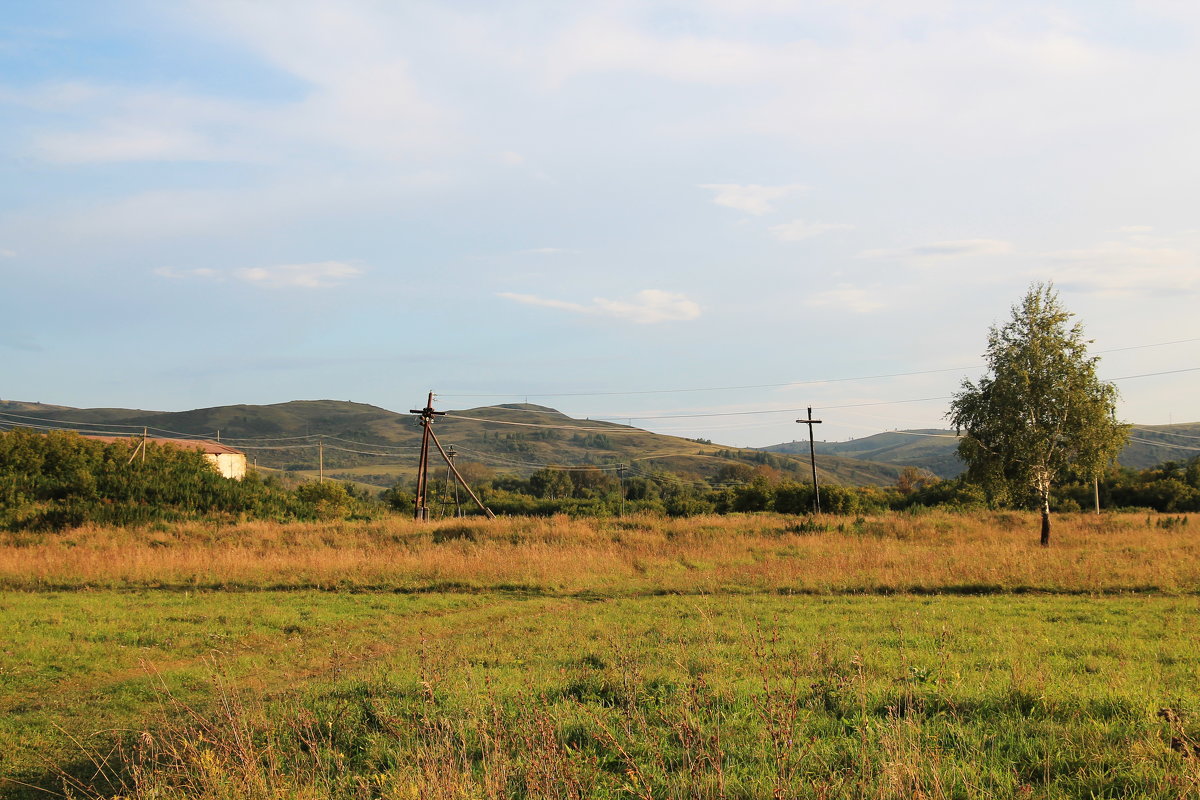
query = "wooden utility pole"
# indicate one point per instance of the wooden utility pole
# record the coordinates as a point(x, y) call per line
point(812, 459)
point(421, 509)
point(621, 478)
point(450, 455)
point(141, 448)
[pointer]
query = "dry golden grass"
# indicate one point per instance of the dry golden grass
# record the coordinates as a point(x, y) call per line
point(935, 552)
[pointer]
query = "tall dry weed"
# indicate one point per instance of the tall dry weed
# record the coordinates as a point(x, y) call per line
point(934, 552)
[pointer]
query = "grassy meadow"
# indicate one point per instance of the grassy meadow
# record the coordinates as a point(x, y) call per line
point(925, 655)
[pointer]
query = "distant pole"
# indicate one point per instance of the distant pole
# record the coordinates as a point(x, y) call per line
point(145, 433)
point(621, 478)
point(321, 457)
point(812, 459)
point(1096, 491)
point(450, 454)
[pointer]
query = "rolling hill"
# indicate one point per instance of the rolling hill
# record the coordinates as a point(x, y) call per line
point(934, 450)
point(373, 445)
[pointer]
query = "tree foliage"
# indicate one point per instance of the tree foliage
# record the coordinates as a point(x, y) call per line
point(60, 479)
point(1041, 413)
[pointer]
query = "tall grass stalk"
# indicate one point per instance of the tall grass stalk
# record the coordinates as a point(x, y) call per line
point(931, 552)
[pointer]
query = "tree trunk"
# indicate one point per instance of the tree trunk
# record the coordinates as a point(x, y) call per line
point(1045, 523)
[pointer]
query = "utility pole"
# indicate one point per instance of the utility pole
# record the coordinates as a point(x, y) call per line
point(450, 455)
point(141, 448)
point(321, 458)
point(621, 478)
point(421, 509)
point(812, 459)
point(1096, 490)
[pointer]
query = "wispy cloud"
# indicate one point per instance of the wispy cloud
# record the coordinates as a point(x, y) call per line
point(8, 253)
point(182, 274)
point(1122, 268)
point(798, 230)
point(847, 297)
point(317, 275)
point(647, 306)
point(957, 248)
point(750, 198)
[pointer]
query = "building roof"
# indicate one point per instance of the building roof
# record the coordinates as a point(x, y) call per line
point(203, 445)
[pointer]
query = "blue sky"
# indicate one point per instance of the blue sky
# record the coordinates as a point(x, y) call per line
point(581, 204)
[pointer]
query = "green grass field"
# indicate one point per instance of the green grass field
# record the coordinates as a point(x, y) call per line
point(626, 689)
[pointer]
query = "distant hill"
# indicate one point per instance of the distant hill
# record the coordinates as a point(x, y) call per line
point(928, 448)
point(1151, 445)
point(374, 445)
point(934, 450)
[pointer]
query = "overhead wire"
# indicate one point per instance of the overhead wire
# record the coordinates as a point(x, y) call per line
point(1165, 433)
point(91, 425)
point(1163, 444)
point(608, 424)
point(806, 382)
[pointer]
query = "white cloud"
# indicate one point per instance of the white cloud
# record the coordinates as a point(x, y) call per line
point(647, 306)
point(750, 198)
point(8, 253)
point(957, 248)
point(1125, 269)
point(846, 297)
point(317, 275)
point(597, 44)
point(357, 96)
point(181, 274)
point(512, 159)
point(800, 229)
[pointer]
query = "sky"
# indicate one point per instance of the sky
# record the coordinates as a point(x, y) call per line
point(696, 217)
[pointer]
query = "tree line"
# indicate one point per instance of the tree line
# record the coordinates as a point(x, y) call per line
point(61, 480)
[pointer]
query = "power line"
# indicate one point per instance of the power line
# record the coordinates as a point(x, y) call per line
point(806, 382)
point(1163, 444)
point(137, 428)
point(616, 429)
point(1153, 374)
point(713, 388)
point(1165, 433)
point(778, 410)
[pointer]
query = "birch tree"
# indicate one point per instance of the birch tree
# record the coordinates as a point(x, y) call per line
point(1040, 412)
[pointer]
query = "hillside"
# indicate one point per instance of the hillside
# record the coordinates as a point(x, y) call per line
point(934, 450)
point(929, 449)
point(374, 445)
